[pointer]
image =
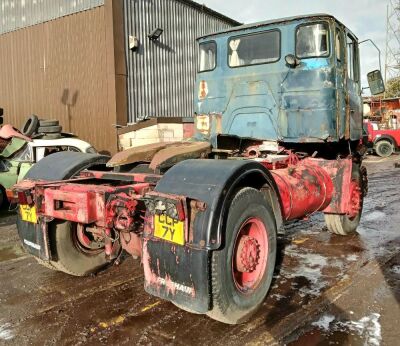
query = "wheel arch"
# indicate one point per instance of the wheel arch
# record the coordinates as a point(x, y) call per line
point(260, 179)
point(387, 138)
point(68, 165)
point(216, 182)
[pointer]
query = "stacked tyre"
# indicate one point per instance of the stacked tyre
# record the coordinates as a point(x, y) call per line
point(51, 129)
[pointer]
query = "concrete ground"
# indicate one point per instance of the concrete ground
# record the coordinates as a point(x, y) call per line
point(327, 290)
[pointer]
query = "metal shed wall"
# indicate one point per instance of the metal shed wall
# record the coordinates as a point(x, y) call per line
point(161, 74)
point(17, 14)
point(59, 70)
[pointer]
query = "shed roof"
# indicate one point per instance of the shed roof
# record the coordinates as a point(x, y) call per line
point(208, 10)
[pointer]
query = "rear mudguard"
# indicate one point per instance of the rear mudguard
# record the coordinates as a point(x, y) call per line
point(35, 239)
point(181, 273)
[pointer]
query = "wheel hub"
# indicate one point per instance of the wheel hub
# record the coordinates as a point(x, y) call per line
point(355, 199)
point(248, 254)
point(87, 241)
point(250, 257)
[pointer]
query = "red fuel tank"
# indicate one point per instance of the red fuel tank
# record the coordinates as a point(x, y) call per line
point(304, 188)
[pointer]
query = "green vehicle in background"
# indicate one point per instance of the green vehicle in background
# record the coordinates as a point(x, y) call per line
point(19, 155)
point(13, 167)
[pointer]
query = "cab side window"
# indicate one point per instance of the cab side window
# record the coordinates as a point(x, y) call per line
point(352, 59)
point(339, 45)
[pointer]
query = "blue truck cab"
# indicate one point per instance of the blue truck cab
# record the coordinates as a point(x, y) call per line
point(292, 80)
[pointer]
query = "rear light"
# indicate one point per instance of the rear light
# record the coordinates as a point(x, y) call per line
point(158, 205)
point(11, 196)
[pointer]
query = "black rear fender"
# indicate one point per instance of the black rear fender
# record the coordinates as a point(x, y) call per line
point(181, 274)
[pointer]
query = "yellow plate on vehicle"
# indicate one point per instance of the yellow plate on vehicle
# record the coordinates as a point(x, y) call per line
point(28, 213)
point(169, 229)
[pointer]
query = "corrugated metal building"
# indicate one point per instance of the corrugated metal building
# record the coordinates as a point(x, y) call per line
point(71, 60)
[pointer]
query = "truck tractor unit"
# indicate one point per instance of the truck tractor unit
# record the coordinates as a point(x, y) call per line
point(278, 119)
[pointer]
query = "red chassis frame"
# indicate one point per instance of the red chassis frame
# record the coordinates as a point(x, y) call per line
point(117, 201)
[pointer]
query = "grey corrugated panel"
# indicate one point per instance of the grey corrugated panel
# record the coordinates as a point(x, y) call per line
point(17, 14)
point(161, 74)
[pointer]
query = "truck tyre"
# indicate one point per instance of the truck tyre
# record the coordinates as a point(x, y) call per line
point(45, 123)
point(73, 257)
point(384, 148)
point(68, 165)
point(347, 224)
point(50, 129)
point(30, 126)
point(241, 272)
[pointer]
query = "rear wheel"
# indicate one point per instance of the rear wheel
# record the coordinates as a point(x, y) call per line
point(241, 272)
point(72, 250)
point(348, 223)
point(76, 252)
point(384, 148)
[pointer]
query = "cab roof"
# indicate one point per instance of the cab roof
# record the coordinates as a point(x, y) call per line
point(315, 16)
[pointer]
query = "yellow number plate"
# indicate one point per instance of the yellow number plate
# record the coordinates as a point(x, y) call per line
point(28, 213)
point(169, 229)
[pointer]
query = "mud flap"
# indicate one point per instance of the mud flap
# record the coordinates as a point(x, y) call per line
point(35, 239)
point(177, 273)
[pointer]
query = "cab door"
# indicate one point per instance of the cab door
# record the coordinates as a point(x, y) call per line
point(354, 100)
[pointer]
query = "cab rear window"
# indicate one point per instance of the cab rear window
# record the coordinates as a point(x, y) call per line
point(312, 41)
point(260, 48)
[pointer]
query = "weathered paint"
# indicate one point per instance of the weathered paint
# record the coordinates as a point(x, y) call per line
point(314, 102)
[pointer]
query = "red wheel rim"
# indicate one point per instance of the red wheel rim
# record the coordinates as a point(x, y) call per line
point(355, 199)
point(85, 241)
point(249, 260)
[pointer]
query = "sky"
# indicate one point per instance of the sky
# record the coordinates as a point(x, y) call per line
point(365, 18)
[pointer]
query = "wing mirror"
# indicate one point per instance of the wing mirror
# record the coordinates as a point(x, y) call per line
point(375, 82)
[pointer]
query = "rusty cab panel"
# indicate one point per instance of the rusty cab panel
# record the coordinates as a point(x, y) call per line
point(245, 86)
